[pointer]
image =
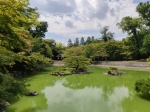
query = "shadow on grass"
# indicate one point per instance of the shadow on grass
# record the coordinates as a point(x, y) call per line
point(145, 97)
point(30, 109)
point(11, 110)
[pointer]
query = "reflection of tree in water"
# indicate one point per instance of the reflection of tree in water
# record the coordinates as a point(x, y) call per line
point(87, 99)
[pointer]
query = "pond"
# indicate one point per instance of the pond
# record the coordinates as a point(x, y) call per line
point(93, 92)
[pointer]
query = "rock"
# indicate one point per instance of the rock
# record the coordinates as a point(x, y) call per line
point(31, 93)
point(115, 72)
point(2, 110)
point(5, 103)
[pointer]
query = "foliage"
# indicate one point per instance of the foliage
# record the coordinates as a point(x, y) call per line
point(76, 42)
point(41, 46)
point(138, 31)
point(143, 10)
point(106, 36)
point(82, 42)
point(16, 44)
point(10, 87)
point(74, 58)
point(7, 57)
point(132, 27)
point(90, 50)
point(16, 18)
point(30, 63)
point(70, 44)
point(143, 86)
point(146, 44)
point(88, 40)
point(76, 62)
point(113, 68)
point(148, 60)
point(40, 30)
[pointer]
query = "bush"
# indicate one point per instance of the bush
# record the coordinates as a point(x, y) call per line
point(113, 68)
point(10, 87)
point(148, 60)
point(143, 86)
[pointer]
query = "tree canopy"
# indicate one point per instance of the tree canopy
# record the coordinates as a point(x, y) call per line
point(74, 58)
point(106, 35)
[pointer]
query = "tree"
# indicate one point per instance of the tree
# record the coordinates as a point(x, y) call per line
point(132, 27)
point(41, 46)
point(16, 18)
point(106, 36)
point(76, 42)
point(74, 58)
point(82, 42)
point(146, 44)
point(114, 50)
point(144, 13)
point(9, 87)
point(143, 86)
point(88, 40)
point(90, 50)
point(70, 44)
point(92, 38)
point(7, 59)
point(40, 30)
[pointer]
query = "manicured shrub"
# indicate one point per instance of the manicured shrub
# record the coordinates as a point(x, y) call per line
point(143, 86)
point(148, 61)
point(113, 68)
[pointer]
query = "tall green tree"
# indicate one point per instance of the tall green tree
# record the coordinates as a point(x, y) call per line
point(40, 30)
point(90, 50)
point(88, 40)
point(82, 42)
point(9, 87)
point(76, 42)
point(16, 17)
point(70, 44)
point(41, 46)
point(92, 38)
point(74, 58)
point(106, 35)
point(144, 13)
point(132, 27)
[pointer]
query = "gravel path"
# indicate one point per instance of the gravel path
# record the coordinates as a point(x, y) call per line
point(120, 64)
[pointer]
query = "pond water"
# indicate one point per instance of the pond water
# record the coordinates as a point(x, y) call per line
point(88, 99)
point(93, 92)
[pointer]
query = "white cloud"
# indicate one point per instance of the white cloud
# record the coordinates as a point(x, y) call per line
point(69, 17)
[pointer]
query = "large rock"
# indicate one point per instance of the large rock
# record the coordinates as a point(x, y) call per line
point(115, 72)
point(31, 93)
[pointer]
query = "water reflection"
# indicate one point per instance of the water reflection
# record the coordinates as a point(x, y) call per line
point(89, 99)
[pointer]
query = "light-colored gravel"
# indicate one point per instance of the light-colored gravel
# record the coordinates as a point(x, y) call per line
point(119, 64)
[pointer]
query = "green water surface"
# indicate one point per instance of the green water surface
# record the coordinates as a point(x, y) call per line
point(95, 92)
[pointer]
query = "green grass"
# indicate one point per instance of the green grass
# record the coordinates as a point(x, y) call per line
point(83, 84)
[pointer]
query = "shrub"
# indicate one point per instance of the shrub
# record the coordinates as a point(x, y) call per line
point(113, 68)
point(148, 60)
point(143, 86)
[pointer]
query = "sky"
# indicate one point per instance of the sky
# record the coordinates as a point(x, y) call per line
point(69, 19)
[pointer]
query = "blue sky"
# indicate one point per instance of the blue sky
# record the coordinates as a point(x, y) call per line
point(68, 19)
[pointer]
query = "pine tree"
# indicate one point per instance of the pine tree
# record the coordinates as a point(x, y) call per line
point(76, 43)
point(82, 41)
